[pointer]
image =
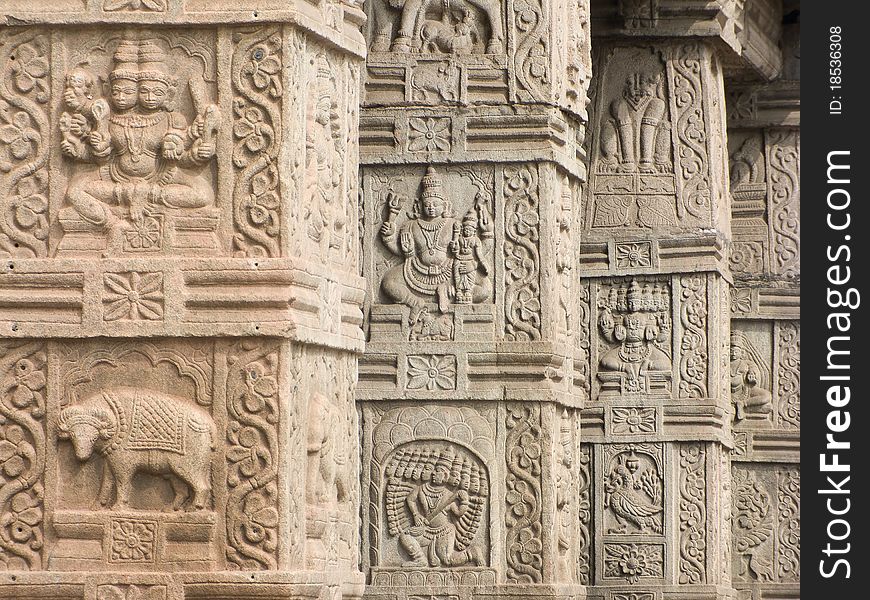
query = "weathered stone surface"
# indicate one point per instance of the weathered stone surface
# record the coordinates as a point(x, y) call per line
point(506, 310)
point(180, 300)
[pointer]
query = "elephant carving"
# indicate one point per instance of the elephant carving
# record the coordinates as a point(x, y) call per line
point(328, 465)
point(452, 31)
point(143, 431)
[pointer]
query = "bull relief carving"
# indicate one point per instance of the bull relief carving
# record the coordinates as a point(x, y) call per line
point(438, 26)
point(141, 178)
point(143, 431)
point(445, 260)
point(635, 327)
point(436, 502)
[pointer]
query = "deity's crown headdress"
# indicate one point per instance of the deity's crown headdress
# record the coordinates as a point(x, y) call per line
point(139, 60)
point(432, 187)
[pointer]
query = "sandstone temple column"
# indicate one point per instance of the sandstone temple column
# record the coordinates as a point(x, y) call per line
point(471, 138)
point(180, 307)
point(667, 376)
point(764, 371)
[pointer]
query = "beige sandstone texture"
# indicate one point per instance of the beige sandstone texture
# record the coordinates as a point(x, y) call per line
point(399, 299)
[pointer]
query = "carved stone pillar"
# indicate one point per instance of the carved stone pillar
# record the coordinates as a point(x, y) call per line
point(656, 237)
point(472, 163)
point(764, 146)
point(179, 300)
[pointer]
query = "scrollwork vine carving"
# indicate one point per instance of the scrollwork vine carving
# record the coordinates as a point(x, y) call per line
point(522, 257)
point(252, 460)
point(524, 501)
point(24, 135)
point(22, 455)
point(257, 71)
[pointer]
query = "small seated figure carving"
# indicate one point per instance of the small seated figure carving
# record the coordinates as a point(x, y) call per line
point(747, 379)
point(471, 269)
point(143, 431)
point(636, 137)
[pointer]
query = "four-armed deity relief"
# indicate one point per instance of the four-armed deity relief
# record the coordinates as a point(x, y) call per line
point(138, 431)
point(436, 502)
point(444, 259)
point(750, 379)
point(635, 328)
point(438, 26)
point(146, 158)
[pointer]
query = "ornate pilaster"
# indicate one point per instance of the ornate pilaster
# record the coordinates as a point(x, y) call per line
point(181, 307)
point(471, 139)
point(659, 241)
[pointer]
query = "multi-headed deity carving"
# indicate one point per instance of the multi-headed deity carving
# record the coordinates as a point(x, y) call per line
point(437, 497)
point(635, 327)
point(143, 431)
point(147, 158)
point(438, 26)
point(444, 259)
point(750, 379)
point(633, 492)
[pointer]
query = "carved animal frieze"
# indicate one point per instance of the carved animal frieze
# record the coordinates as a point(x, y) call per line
point(143, 431)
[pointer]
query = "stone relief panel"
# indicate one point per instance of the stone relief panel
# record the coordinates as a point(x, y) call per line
point(748, 175)
point(634, 338)
point(765, 518)
point(331, 470)
point(764, 369)
point(478, 51)
point(630, 490)
point(649, 145)
point(138, 126)
point(765, 191)
point(633, 490)
point(429, 495)
point(750, 373)
point(433, 247)
point(135, 468)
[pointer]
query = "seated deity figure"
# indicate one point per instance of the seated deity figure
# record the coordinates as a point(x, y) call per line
point(746, 380)
point(637, 333)
point(144, 156)
point(429, 242)
point(87, 113)
point(636, 139)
